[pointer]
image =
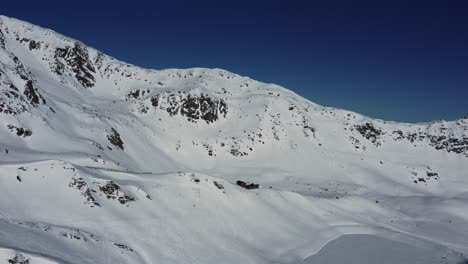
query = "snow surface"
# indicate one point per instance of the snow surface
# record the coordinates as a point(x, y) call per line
point(106, 162)
point(357, 249)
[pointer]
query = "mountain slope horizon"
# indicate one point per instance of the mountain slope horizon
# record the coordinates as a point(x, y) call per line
point(193, 68)
point(106, 162)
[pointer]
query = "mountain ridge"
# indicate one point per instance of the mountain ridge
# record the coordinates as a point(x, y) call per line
point(108, 160)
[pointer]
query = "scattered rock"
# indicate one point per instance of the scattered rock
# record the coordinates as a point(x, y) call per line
point(218, 185)
point(69, 235)
point(122, 246)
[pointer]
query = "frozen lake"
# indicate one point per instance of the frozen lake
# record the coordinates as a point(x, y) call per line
point(364, 249)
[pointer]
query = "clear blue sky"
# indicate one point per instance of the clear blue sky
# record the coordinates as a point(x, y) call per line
point(402, 62)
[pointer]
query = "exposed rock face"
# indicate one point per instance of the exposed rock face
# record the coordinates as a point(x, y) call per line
point(32, 94)
point(124, 247)
point(208, 109)
point(114, 139)
point(12, 101)
point(22, 72)
point(398, 135)
point(77, 58)
point(19, 259)
point(81, 185)
point(218, 185)
point(440, 139)
point(2, 40)
point(32, 44)
point(457, 145)
point(370, 133)
point(8, 96)
point(99, 60)
point(308, 130)
point(113, 191)
point(193, 107)
point(248, 186)
point(20, 132)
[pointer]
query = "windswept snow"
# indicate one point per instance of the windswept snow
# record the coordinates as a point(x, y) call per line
point(106, 162)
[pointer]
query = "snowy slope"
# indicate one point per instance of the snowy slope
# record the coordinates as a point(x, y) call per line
point(106, 162)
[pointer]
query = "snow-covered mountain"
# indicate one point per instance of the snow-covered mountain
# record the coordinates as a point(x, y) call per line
point(105, 162)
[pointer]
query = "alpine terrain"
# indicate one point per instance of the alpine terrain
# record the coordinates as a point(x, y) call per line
point(106, 162)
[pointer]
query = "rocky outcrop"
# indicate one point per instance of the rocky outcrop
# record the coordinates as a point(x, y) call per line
point(19, 259)
point(307, 129)
point(135, 94)
point(9, 95)
point(77, 58)
point(2, 39)
point(12, 101)
point(80, 184)
point(456, 145)
point(20, 132)
point(113, 191)
point(193, 107)
point(114, 139)
point(248, 186)
point(32, 44)
point(440, 139)
point(32, 94)
point(369, 132)
point(21, 71)
point(124, 247)
point(218, 185)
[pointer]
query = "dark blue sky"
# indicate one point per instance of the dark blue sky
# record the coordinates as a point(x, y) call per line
point(402, 62)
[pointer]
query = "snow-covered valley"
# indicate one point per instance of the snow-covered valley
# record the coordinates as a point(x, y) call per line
point(106, 162)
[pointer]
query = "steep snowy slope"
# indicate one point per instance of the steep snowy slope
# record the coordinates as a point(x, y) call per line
point(106, 162)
